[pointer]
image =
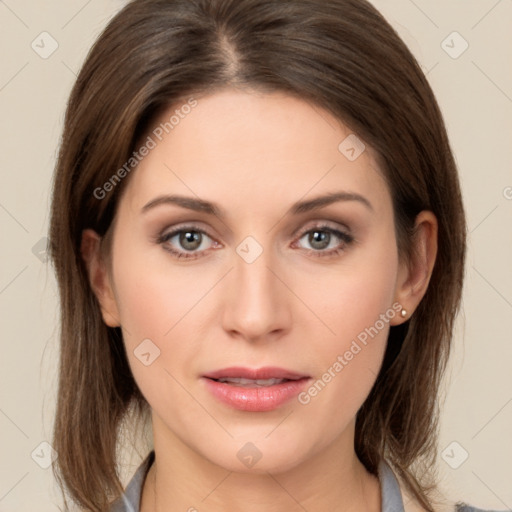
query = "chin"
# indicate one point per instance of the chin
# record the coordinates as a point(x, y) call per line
point(258, 457)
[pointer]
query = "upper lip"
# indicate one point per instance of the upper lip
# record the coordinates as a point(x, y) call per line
point(267, 372)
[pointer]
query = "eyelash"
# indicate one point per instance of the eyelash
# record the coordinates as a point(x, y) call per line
point(344, 237)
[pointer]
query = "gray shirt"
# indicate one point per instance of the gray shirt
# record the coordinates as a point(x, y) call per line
point(391, 498)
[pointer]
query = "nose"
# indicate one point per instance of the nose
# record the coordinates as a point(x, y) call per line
point(258, 302)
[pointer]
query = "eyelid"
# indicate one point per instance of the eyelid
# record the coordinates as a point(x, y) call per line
point(322, 224)
point(184, 226)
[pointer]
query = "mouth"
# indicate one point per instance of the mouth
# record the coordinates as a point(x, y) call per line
point(259, 390)
point(252, 383)
point(267, 376)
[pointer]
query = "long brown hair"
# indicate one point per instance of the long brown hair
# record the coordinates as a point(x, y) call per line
point(340, 55)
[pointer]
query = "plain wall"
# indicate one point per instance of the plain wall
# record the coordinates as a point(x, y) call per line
point(475, 94)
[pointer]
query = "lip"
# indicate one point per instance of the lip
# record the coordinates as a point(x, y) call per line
point(267, 372)
point(256, 399)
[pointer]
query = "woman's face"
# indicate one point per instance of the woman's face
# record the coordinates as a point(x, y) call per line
point(271, 279)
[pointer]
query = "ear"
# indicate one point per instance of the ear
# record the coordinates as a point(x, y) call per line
point(414, 275)
point(99, 279)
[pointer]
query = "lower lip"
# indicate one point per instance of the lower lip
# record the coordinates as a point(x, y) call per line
point(257, 399)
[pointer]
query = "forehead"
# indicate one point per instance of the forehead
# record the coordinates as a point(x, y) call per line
point(242, 149)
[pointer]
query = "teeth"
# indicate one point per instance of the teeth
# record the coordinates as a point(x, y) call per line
point(251, 382)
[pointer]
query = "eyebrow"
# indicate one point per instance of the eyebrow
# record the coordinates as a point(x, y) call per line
point(200, 205)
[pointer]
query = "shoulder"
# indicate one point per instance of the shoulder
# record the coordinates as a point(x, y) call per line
point(441, 504)
point(411, 505)
point(130, 500)
point(464, 507)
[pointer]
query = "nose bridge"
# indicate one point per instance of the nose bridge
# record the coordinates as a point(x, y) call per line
point(257, 303)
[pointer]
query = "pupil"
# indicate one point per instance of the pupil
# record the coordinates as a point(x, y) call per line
point(319, 239)
point(190, 240)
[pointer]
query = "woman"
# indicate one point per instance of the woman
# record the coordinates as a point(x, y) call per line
point(259, 238)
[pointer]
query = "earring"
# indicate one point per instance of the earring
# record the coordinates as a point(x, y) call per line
point(403, 313)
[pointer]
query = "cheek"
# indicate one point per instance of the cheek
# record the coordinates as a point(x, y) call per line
point(162, 308)
point(355, 304)
point(351, 296)
point(152, 296)
point(149, 305)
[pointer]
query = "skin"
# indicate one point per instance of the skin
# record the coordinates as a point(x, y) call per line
point(255, 155)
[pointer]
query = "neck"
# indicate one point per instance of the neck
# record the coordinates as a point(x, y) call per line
point(334, 479)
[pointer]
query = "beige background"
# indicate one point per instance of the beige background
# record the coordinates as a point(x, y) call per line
point(475, 94)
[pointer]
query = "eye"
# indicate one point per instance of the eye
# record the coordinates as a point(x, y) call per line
point(186, 242)
point(191, 241)
point(326, 241)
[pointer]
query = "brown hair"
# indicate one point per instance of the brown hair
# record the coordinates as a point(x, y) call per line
point(340, 55)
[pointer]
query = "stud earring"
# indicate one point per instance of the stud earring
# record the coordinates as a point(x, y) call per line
point(403, 313)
